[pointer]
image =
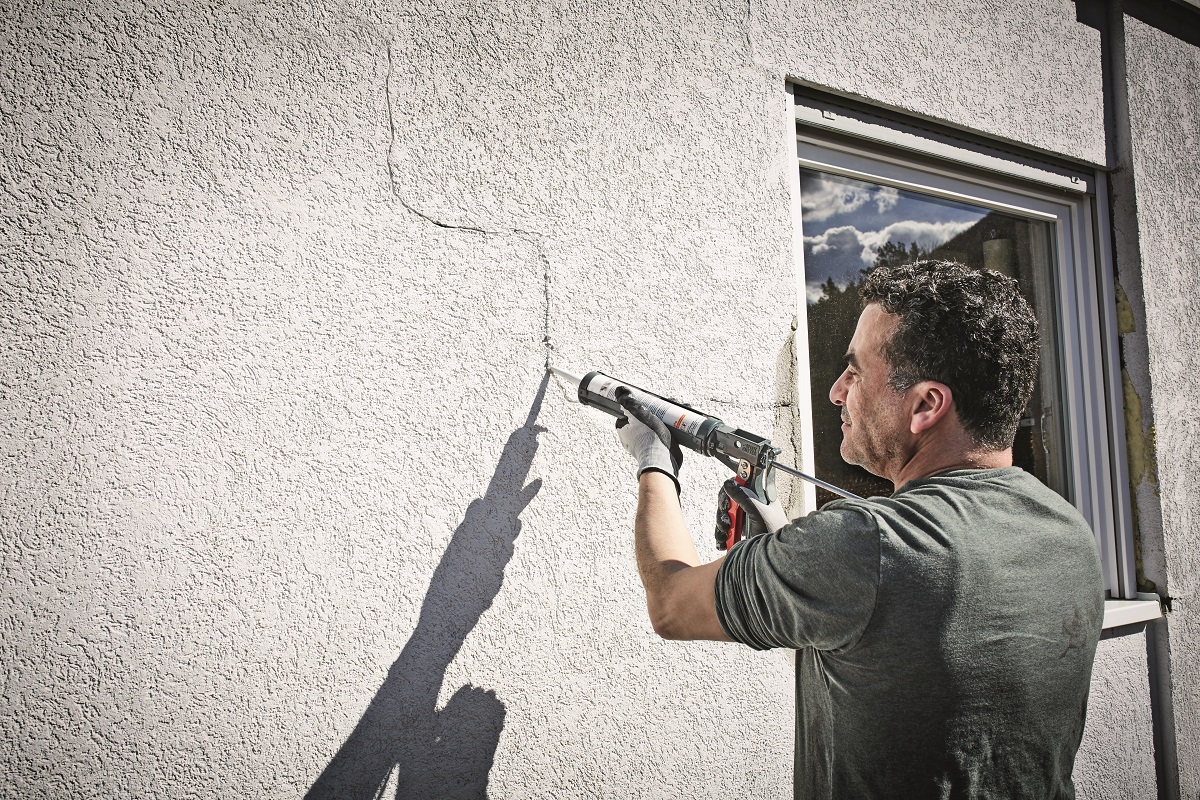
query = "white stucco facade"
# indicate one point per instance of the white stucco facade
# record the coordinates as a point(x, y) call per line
point(289, 504)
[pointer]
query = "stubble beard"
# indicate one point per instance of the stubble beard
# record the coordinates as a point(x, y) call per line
point(872, 455)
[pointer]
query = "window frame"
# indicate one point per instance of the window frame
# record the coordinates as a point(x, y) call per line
point(858, 144)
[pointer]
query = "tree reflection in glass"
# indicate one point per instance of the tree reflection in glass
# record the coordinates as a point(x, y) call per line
point(852, 227)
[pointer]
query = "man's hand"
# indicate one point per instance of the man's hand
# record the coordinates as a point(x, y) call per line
point(647, 439)
point(763, 517)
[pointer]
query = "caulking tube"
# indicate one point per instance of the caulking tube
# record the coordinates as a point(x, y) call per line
point(696, 431)
point(692, 427)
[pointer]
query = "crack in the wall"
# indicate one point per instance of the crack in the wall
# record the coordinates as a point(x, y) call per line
point(1140, 449)
point(787, 416)
point(536, 240)
point(387, 93)
point(445, 225)
point(529, 237)
point(393, 181)
point(749, 41)
point(547, 338)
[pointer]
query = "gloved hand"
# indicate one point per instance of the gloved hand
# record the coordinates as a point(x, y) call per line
point(647, 439)
point(763, 517)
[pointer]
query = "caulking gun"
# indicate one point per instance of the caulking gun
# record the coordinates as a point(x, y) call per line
point(751, 457)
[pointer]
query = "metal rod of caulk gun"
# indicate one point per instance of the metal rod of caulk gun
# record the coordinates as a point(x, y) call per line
point(823, 484)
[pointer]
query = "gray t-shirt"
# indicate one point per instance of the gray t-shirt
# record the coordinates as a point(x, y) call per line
point(945, 636)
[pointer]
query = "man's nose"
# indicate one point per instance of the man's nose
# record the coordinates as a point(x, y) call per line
point(837, 394)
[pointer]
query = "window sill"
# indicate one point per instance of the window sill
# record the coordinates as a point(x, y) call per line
point(1128, 612)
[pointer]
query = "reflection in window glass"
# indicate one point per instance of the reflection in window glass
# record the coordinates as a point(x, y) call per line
point(851, 228)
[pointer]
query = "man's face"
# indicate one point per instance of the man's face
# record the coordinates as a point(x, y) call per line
point(875, 427)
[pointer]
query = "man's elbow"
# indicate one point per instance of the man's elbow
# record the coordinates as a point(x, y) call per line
point(686, 623)
point(683, 606)
point(668, 626)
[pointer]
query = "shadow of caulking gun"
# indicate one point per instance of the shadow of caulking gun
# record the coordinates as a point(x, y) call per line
point(751, 457)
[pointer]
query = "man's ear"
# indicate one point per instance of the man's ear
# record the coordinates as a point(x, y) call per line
point(933, 401)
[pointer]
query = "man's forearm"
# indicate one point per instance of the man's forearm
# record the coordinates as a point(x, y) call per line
point(680, 595)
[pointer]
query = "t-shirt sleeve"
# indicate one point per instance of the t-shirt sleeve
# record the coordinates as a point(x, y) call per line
point(813, 583)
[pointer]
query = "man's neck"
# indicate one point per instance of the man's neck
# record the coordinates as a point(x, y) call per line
point(928, 462)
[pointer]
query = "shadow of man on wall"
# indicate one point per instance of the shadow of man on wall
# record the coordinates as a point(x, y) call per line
point(447, 753)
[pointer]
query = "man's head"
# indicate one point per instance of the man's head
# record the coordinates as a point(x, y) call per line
point(875, 429)
point(969, 330)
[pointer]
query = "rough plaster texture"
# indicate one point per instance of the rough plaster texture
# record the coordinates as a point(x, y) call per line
point(1116, 756)
point(1025, 71)
point(1163, 86)
point(288, 504)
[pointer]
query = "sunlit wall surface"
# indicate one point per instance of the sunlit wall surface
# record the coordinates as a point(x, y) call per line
point(288, 506)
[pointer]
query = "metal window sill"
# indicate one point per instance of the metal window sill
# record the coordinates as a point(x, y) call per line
point(1128, 612)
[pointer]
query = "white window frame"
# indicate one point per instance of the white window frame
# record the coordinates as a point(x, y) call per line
point(851, 143)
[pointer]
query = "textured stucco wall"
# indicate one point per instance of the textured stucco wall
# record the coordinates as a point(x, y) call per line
point(287, 503)
point(280, 470)
point(1116, 756)
point(1026, 71)
point(1163, 86)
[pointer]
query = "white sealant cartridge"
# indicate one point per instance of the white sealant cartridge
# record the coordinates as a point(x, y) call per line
point(743, 452)
point(691, 426)
point(752, 457)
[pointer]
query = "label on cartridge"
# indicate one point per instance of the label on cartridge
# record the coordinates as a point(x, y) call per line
point(679, 418)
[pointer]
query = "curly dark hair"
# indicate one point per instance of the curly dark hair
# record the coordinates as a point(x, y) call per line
point(969, 329)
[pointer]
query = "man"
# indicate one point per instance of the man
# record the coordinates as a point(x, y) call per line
point(945, 634)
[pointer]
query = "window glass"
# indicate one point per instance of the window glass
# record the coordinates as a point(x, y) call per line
point(852, 227)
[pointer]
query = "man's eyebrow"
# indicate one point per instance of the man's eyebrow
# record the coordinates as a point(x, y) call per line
point(851, 359)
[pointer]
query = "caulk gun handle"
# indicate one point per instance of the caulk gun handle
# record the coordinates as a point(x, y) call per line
point(741, 514)
point(735, 520)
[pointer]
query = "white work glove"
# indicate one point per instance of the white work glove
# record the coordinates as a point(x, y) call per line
point(647, 439)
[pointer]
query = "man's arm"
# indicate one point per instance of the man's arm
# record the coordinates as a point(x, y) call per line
point(680, 591)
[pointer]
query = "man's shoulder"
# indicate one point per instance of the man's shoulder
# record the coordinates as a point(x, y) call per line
point(965, 503)
point(1000, 490)
point(851, 517)
point(843, 536)
point(973, 480)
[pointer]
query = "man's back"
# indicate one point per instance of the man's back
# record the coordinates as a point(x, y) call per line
point(946, 637)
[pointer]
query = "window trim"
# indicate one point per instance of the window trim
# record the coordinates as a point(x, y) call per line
point(871, 149)
point(937, 142)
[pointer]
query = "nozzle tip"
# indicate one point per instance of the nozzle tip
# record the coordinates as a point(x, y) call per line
point(569, 382)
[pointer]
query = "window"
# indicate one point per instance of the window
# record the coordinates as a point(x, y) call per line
point(874, 191)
